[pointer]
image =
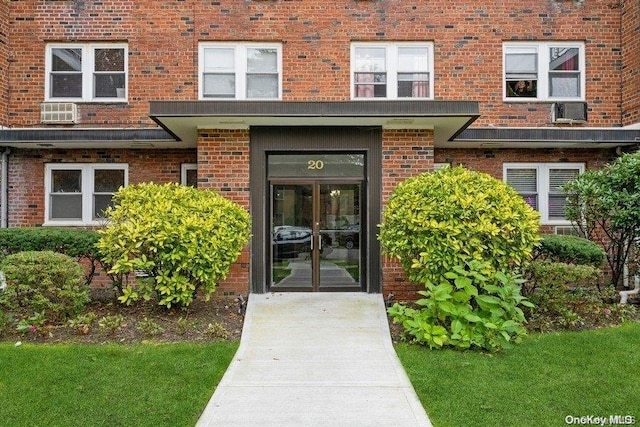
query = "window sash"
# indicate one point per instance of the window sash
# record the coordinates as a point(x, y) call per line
point(382, 70)
point(189, 174)
point(540, 184)
point(543, 71)
point(77, 194)
point(239, 71)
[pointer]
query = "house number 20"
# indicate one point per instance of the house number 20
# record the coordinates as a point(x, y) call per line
point(315, 164)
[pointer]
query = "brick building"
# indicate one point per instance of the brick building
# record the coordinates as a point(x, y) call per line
point(308, 113)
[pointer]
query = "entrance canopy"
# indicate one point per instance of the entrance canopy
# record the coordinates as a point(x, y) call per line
point(183, 118)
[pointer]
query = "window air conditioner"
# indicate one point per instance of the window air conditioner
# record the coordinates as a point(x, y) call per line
point(569, 112)
point(58, 112)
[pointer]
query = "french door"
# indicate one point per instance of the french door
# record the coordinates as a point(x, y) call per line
point(316, 235)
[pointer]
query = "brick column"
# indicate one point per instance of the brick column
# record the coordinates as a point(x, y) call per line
point(223, 165)
point(405, 153)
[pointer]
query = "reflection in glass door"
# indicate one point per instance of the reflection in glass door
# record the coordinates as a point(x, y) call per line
point(315, 236)
point(339, 218)
point(292, 237)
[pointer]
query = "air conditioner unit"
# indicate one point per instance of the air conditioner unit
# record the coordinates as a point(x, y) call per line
point(569, 112)
point(58, 112)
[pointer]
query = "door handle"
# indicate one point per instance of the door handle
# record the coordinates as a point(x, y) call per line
point(320, 242)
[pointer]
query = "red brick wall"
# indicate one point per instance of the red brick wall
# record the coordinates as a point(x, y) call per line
point(27, 168)
point(163, 38)
point(4, 61)
point(405, 153)
point(630, 62)
point(223, 165)
point(491, 161)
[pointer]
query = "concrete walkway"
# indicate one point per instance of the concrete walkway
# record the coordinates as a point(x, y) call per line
point(315, 359)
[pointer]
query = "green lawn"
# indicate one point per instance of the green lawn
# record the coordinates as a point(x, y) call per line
point(109, 385)
point(538, 383)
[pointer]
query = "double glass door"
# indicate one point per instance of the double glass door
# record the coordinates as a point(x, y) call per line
point(316, 235)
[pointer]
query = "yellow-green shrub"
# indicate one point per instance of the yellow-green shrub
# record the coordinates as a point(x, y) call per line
point(185, 239)
point(439, 220)
point(461, 234)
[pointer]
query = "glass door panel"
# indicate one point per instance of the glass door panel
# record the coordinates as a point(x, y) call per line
point(315, 236)
point(339, 228)
point(292, 237)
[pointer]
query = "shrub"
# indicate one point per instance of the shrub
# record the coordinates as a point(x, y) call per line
point(439, 220)
point(6, 322)
point(111, 323)
point(44, 282)
point(185, 239)
point(150, 327)
point(472, 306)
point(570, 250)
point(459, 233)
point(77, 243)
point(82, 323)
point(566, 297)
point(217, 331)
point(561, 276)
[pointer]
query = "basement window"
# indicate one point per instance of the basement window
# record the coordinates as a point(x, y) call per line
point(540, 184)
point(78, 193)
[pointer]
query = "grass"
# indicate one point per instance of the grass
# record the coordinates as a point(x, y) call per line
point(538, 383)
point(109, 385)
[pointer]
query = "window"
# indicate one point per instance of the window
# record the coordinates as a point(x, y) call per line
point(86, 72)
point(78, 193)
point(540, 184)
point(240, 71)
point(544, 71)
point(189, 174)
point(392, 70)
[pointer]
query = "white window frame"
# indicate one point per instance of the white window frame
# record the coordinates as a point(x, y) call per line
point(542, 50)
point(392, 69)
point(542, 178)
point(88, 68)
point(240, 67)
point(87, 185)
point(184, 167)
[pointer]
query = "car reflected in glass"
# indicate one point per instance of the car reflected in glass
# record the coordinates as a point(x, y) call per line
point(294, 242)
point(348, 237)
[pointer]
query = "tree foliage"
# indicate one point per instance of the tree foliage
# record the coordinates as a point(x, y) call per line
point(183, 238)
point(605, 206)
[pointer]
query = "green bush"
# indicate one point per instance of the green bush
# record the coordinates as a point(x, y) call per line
point(570, 250)
point(439, 220)
point(472, 306)
point(185, 239)
point(44, 282)
point(77, 243)
point(566, 297)
point(560, 275)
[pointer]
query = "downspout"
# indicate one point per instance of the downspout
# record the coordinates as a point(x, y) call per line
point(4, 189)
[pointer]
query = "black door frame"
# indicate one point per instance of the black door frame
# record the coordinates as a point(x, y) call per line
point(280, 140)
